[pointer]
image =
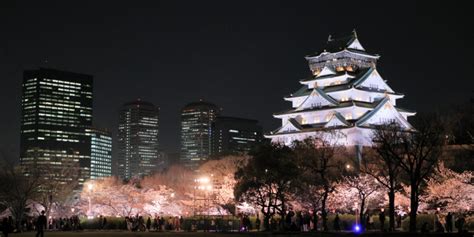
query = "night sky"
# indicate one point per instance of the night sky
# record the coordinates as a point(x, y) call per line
point(243, 56)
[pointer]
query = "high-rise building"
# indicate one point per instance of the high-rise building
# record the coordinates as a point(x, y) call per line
point(56, 108)
point(138, 140)
point(232, 136)
point(196, 132)
point(101, 153)
point(345, 95)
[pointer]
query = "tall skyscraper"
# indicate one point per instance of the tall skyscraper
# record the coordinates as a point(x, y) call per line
point(101, 153)
point(138, 139)
point(196, 132)
point(233, 136)
point(56, 108)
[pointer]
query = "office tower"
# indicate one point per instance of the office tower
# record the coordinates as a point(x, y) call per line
point(196, 132)
point(138, 140)
point(235, 136)
point(56, 108)
point(101, 153)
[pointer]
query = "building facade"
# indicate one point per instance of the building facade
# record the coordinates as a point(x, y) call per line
point(101, 153)
point(196, 132)
point(56, 109)
point(235, 136)
point(345, 96)
point(138, 148)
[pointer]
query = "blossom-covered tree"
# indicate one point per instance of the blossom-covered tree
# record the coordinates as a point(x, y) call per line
point(320, 170)
point(364, 188)
point(451, 191)
point(267, 179)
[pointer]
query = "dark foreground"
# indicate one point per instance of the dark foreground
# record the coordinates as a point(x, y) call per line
point(203, 234)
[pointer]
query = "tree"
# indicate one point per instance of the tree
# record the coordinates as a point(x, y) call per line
point(56, 191)
point(451, 191)
point(366, 189)
point(267, 179)
point(17, 189)
point(416, 153)
point(320, 169)
point(383, 166)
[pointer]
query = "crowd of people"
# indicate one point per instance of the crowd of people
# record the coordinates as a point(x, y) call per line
point(293, 221)
point(138, 223)
point(445, 223)
point(39, 224)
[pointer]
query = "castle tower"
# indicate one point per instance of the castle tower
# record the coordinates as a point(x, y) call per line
point(345, 94)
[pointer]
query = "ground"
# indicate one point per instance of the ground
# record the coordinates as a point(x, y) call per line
point(205, 234)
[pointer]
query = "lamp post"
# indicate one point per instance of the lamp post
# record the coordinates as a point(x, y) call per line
point(203, 184)
point(435, 218)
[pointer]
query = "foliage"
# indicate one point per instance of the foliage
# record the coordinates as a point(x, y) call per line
point(449, 190)
point(416, 153)
point(320, 169)
point(16, 189)
point(267, 179)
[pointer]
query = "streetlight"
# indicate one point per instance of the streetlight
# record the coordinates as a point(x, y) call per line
point(435, 218)
point(205, 185)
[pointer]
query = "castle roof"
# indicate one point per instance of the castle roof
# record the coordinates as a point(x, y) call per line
point(337, 43)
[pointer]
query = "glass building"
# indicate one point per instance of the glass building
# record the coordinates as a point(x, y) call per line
point(138, 140)
point(235, 136)
point(101, 153)
point(196, 132)
point(56, 108)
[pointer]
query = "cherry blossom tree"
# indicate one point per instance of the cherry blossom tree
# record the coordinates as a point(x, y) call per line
point(267, 180)
point(320, 170)
point(364, 189)
point(451, 191)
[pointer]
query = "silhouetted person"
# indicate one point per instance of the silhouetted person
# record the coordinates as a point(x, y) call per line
point(424, 228)
point(367, 222)
point(148, 224)
point(41, 224)
point(399, 221)
point(5, 227)
point(449, 222)
point(337, 226)
point(382, 220)
point(104, 222)
point(257, 223)
point(460, 224)
point(439, 227)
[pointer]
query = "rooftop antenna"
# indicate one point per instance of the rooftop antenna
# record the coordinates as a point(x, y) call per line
point(354, 32)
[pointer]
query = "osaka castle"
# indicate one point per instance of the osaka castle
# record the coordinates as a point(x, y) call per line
point(345, 95)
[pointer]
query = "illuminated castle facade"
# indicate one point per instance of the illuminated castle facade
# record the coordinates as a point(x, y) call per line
point(345, 94)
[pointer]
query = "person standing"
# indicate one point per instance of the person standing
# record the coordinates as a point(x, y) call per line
point(337, 226)
point(41, 224)
point(181, 222)
point(382, 220)
point(148, 224)
point(449, 222)
point(5, 227)
point(460, 223)
point(257, 223)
